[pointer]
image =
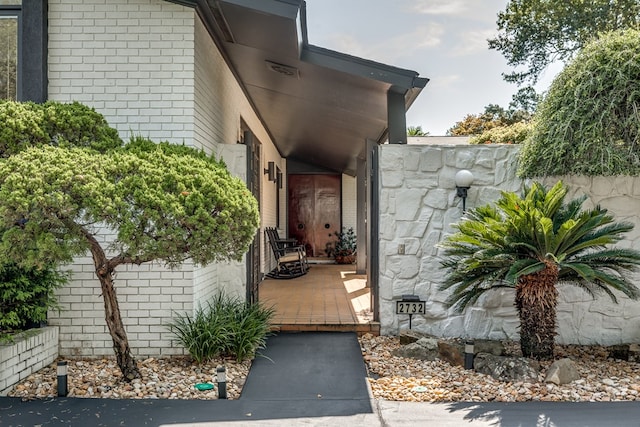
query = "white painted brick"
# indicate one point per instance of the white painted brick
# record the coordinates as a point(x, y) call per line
point(135, 62)
point(138, 298)
point(27, 355)
point(125, 305)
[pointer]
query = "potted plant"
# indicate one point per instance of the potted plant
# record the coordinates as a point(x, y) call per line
point(344, 250)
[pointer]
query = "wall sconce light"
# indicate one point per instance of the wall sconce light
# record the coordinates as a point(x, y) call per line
point(279, 179)
point(464, 179)
point(271, 171)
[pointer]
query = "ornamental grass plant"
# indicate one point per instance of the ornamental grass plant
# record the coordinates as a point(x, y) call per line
point(226, 327)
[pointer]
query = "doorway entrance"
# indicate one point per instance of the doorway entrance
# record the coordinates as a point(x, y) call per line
point(314, 211)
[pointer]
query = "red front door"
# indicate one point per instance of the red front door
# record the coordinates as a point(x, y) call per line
point(314, 211)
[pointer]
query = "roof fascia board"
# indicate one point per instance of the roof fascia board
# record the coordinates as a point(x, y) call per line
point(285, 8)
point(401, 78)
point(188, 3)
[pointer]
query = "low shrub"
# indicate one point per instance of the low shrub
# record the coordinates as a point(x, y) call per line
point(226, 327)
point(513, 134)
point(25, 296)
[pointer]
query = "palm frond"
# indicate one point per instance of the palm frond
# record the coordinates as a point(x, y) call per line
point(494, 246)
point(524, 267)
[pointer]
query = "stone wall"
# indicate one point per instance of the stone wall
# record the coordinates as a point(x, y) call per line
point(31, 351)
point(418, 204)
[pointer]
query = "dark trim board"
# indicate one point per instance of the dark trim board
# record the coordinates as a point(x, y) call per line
point(32, 45)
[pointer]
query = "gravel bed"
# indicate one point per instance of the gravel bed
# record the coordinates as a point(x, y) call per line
point(401, 379)
point(391, 378)
point(162, 378)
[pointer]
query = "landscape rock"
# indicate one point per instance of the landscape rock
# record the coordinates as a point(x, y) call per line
point(562, 371)
point(409, 336)
point(452, 352)
point(602, 379)
point(503, 368)
point(488, 346)
point(423, 349)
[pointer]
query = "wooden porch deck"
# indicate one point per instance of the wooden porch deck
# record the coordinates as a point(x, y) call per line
point(329, 297)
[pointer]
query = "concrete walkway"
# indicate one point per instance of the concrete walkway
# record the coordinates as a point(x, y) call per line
point(311, 379)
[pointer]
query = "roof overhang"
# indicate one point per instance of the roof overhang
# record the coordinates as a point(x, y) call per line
point(318, 105)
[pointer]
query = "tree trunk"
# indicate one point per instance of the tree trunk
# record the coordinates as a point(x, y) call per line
point(536, 300)
point(104, 271)
point(125, 360)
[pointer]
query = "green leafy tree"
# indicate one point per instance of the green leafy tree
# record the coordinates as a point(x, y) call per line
point(493, 116)
point(588, 123)
point(416, 131)
point(535, 33)
point(525, 102)
point(533, 243)
point(163, 202)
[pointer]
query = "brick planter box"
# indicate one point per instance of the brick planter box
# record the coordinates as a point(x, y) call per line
point(30, 352)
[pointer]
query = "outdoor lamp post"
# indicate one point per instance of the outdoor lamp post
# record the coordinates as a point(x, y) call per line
point(221, 377)
point(464, 179)
point(469, 353)
point(61, 370)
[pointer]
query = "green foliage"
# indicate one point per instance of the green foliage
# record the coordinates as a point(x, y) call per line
point(492, 117)
point(416, 131)
point(226, 327)
point(346, 244)
point(496, 245)
point(534, 33)
point(526, 101)
point(163, 206)
point(163, 203)
point(26, 295)
point(26, 124)
point(588, 124)
point(512, 134)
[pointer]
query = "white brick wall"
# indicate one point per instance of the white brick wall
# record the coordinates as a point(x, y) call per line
point(148, 295)
point(150, 68)
point(220, 106)
point(26, 356)
point(132, 60)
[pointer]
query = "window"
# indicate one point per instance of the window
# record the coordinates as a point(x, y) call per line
point(9, 21)
point(8, 57)
point(23, 71)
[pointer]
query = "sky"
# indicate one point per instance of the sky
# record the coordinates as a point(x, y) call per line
point(443, 40)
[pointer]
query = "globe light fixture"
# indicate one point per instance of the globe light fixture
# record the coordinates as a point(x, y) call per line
point(464, 179)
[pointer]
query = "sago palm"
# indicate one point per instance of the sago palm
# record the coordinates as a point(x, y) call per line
point(532, 243)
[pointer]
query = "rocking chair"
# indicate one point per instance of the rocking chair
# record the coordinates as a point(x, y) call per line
point(291, 259)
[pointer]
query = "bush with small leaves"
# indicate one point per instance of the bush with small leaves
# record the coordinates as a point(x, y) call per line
point(26, 295)
point(588, 123)
point(512, 134)
point(27, 124)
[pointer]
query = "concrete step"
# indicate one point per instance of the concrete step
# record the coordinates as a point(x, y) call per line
point(359, 328)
